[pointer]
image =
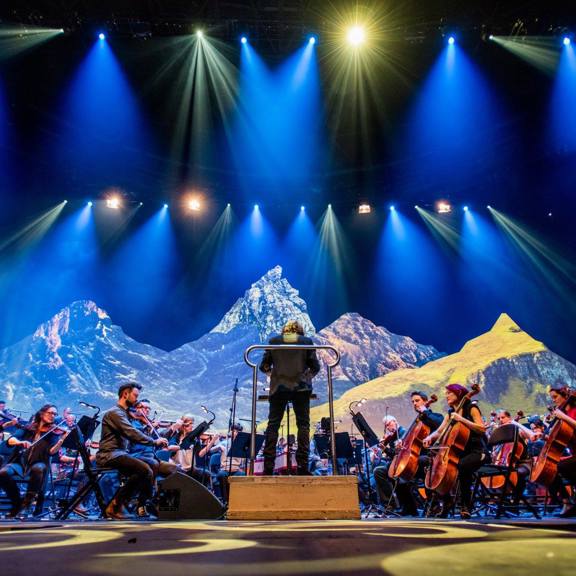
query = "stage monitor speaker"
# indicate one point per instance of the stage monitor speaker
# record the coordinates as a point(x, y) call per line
point(183, 498)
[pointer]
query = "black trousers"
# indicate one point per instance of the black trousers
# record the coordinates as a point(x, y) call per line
point(12, 473)
point(467, 467)
point(140, 478)
point(567, 469)
point(301, 404)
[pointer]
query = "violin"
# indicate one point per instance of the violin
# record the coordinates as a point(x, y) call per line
point(443, 472)
point(560, 435)
point(405, 463)
point(16, 421)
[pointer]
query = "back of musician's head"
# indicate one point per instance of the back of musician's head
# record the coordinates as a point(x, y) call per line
point(238, 427)
point(127, 387)
point(422, 395)
point(457, 389)
point(293, 327)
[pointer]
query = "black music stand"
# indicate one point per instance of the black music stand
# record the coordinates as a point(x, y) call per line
point(240, 447)
point(190, 439)
point(344, 448)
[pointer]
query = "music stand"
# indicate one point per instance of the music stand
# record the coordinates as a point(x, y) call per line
point(240, 447)
point(87, 425)
point(343, 445)
point(191, 438)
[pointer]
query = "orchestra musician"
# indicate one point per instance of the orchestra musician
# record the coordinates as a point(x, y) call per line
point(291, 373)
point(118, 431)
point(567, 465)
point(35, 444)
point(230, 466)
point(475, 452)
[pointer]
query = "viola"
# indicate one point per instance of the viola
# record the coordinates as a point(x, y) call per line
point(560, 436)
point(443, 472)
point(405, 463)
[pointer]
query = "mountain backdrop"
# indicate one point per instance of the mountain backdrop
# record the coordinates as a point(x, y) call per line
point(80, 354)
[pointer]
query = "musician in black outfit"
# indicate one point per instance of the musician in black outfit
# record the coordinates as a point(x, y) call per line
point(475, 453)
point(34, 445)
point(118, 431)
point(291, 373)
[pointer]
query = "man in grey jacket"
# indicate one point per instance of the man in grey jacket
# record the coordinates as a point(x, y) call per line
point(291, 373)
point(117, 434)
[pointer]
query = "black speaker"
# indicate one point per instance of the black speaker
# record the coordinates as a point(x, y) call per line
point(183, 498)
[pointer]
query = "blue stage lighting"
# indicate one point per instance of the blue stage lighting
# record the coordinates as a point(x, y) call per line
point(165, 205)
point(90, 203)
point(451, 40)
point(302, 208)
point(392, 208)
point(102, 36)
point(243, 39)
point(566, 41)
point(256, 207)
point(312, 40)
point(228, 205)
point(466, 208)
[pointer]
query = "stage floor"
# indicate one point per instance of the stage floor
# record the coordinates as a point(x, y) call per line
point(223, 548)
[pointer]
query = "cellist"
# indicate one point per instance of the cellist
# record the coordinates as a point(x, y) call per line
point(566, 466)
point(475, 452)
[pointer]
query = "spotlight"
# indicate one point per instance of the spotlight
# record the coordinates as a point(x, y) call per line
point(330, 206)
point(228, 205)
point(256, 207)
point(90, 203)
point(392, 208)
point(312, 40)
point(566, 41)
point(140, 203)
point(356, 35)
point(466, 208)
point(491, 37)
point(65, 201)
point(550, 214)
point(443, 207)
point(194, 204)
point(102, 36)
point(489, 207)
point(165, 205)
point(451, 40)
point(199, 34)
point(243, 39)
point(364, 209)
point(302, 208)
point(113, 202)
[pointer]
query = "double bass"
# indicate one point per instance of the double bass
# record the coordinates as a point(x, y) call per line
point(404, 465)
point(560, 435)
point(443, 472)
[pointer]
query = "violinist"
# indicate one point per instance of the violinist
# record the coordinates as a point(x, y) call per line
point(118, 431)
point(475, 452)
point(566, 466)
point(35, 444)
point(146, 452)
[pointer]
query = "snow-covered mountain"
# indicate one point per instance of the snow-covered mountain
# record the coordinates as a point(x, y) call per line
point(79, 354)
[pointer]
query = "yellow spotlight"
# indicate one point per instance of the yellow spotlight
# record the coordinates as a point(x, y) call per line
point(194, 204)
point(443, 207)
point(113, 202)
point(364, 209)
point(356, 35)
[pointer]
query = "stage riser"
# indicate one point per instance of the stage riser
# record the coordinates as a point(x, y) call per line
point(293, 498)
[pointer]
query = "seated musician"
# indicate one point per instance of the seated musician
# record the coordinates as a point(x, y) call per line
point(230, 466)
point(146, 452)
point(35, 444)
point(475, 452)
point(118, 432)
point(393, 432)
point(567, 465)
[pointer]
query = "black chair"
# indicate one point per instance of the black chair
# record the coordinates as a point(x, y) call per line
point(502, 437)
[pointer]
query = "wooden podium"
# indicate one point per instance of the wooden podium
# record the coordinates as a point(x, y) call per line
point(293, 498)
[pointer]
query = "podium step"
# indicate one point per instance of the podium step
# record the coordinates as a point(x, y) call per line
point(293, 498)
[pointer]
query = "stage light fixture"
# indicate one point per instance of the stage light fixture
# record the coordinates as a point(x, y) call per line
point(356, 35)
point(451, 40)
point(491, 37)
point(466, 208)
point(194, 204)
point(489, 207)
point(113, 202)
point(364, 209)
point(102, 36)
point(90, 203)
point(243, 39)
point(392, 208)
point(312, 40)
point(330, 206)
point(567, 41)
point(443, 207)
point(256, 207)
point(165, 205)
point(302, 208)
point(65, 201)
point(550, 214)
point(228, 205)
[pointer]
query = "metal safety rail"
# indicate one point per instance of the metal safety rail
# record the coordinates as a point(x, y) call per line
point(254, 367)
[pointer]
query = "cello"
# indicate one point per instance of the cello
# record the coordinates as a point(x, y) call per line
point(560, 435)
point(404, 465)
point(443, 472)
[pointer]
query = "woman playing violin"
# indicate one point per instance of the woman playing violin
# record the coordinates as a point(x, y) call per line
point(34, 444)
point(475, 452)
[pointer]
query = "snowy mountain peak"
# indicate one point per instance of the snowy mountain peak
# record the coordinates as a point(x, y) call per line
point(267, 305)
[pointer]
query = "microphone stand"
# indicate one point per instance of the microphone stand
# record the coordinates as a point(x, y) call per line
point(230, 424)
